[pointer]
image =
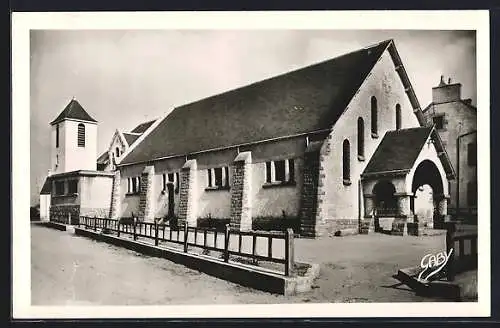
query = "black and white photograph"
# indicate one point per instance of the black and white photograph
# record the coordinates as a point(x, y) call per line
point(297, 168)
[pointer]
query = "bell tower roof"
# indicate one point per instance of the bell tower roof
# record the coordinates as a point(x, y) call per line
point(73, 111)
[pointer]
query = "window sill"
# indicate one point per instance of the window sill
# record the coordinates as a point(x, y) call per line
point(347, 182)
point(65, 196)
point(132, 194)
point(374, 135)
point(221, 188)
point(361, 158)
point(278, 184)
point(164, 191)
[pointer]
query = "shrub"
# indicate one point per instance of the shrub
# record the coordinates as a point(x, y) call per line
point(212, 223)
point(276, 224)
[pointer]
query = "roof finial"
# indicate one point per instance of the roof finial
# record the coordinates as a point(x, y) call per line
point(441, 83)
point(74, 98)
point(449, 80)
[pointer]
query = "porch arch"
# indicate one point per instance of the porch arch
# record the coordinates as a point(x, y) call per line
point(384, 198)
point(428, 173)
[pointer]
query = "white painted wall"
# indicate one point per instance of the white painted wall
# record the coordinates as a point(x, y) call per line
point(385, 84)
point(44, 207)
point(271, 202)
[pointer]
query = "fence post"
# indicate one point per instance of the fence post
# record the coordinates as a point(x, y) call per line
point(95, 223)
point(118, 229)
point(450, 273)
point(185, 237)
point(289, 252)
point(226, 243)
point(135, 234)
point(156, 233)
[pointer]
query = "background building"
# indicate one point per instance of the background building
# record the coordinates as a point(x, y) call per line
point(456, 121)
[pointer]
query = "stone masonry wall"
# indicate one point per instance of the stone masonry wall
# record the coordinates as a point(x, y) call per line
point(309, 195)
point(241, 202)
point(187, 206)
point(114, 211)
point(146, 203)
point(64, 212)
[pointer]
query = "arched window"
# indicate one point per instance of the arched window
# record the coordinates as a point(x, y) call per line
point(117, 152)
point(346, 162)
point(398, 116)
point(81, 135)
point(361, 139)
point(374, 117)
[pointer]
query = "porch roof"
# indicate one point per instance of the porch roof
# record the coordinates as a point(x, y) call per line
point(46, 189)
point(398, 151)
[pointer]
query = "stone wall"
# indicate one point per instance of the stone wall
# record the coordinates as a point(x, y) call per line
point(146, 202)
point(187, 204)
point(241, 201)
point(340, 202)
point(115, 207)
point(309, 197)
point(65, 212)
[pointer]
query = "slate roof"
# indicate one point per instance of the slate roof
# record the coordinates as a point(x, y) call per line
point(130, 138)
point(103, 158)
point(73, 111)
point(141, 128)
point(46, 188)
point(398, 150)
point(302, 101)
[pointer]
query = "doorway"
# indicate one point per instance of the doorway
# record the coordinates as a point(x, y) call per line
point(171, 203)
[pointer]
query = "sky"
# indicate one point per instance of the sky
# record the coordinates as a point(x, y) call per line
point(125, 77)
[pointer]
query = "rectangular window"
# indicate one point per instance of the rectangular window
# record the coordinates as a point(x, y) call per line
point(268, 172)
point(282, 171)
point(438, 122)
point(209, 171)
point(134, 185)
point(472, 154)
point(73, 187)
point(59, 188)
point(218, 177)
point(171, 178)
point(279, 171)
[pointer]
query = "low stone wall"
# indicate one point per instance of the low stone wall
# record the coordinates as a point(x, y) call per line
point(64, 211)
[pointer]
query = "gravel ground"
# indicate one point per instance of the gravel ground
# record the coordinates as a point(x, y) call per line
point(74, 270)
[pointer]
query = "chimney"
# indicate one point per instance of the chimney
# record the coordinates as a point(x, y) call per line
point(446, 92)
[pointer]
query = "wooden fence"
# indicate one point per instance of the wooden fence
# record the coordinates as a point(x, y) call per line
point(203, 238)
point(463, 258)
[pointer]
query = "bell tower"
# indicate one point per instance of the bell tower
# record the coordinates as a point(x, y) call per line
point(73, 140)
